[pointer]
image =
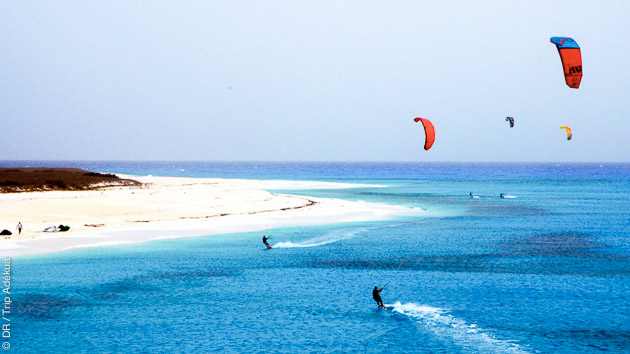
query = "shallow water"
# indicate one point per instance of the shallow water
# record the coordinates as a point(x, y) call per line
point(545, 272)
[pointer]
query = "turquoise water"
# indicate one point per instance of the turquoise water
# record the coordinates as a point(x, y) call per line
point(544, 271)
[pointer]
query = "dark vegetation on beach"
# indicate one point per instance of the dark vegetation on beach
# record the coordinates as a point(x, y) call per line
point(32, 179)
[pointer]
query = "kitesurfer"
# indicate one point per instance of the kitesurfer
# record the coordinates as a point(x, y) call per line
point(471, 195)
point(265, 238)
point(377, 297)
point(502, 196)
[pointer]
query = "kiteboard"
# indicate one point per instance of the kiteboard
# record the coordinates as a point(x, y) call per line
point(268, 247)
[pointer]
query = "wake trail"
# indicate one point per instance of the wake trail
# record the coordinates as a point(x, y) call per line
point(326, 239)
point(448, 327)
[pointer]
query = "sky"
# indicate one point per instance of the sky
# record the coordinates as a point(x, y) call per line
point(282, 80)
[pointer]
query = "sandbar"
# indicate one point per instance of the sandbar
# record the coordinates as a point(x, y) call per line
point(171, 207)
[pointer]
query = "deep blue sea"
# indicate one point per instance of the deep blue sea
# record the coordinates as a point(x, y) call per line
point(545, 270)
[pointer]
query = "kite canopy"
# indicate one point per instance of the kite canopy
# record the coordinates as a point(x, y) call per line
point(571, 60)
point(511, 120)
point(569, 133)
point(429, 132)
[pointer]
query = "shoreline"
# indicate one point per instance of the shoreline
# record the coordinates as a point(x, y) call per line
point(172, 207)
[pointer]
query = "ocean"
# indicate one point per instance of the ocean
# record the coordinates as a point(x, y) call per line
point(544, 270)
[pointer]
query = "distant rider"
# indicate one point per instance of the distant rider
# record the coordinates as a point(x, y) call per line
point(265, 238)
point(501, 195)
point(377, 297)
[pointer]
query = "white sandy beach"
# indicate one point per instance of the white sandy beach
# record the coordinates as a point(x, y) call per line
point(169, 207)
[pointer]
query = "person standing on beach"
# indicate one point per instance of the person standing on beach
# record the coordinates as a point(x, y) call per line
point(377, 297)
point(19, 227)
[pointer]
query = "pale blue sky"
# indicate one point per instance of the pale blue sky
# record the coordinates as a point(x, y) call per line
point(311, 80)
